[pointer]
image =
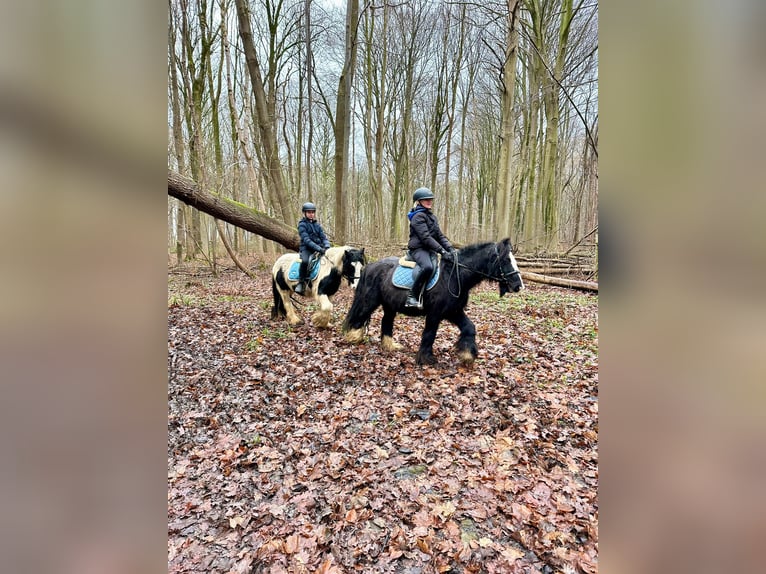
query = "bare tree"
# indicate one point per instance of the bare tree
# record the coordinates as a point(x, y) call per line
point(502, 215)
point(493, 104)
point(177, 127)
point(343, 118)
point(266, 120)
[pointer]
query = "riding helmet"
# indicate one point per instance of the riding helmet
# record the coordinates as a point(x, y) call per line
point(308, 206)
point(422, 193)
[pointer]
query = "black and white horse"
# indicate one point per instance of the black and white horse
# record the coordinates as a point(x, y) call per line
point(338, 263)
point(446, 299)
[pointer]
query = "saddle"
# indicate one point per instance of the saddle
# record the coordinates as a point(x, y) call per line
point(294, 271)
point(402, 276)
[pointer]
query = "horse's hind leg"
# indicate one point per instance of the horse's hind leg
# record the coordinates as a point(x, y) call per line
point(283, 307)
point(292, 317)
point(466, 343)
point(278, 310)
point(387, 331)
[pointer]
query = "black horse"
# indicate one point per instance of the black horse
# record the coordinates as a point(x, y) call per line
point(445, 300)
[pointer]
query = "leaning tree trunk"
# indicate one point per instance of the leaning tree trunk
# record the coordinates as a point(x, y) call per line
point(231, 211)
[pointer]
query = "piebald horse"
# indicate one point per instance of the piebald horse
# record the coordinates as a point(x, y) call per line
point(338, 263)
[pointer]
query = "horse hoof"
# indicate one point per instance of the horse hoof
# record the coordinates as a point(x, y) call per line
point(466, 358)
point(426, 359)
point(355, 336)
point(321, 319)
point(389, 344)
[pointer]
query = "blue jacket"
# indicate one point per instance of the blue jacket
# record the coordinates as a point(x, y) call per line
point(312, 235)
point(425, 232)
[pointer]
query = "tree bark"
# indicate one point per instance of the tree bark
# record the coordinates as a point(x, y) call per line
point(249, 219)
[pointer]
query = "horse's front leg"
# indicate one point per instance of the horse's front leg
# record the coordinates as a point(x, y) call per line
point(387, 331)
point(466, 343)
point(426, 352)
point(321, 319)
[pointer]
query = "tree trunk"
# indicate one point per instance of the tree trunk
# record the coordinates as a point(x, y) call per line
point(502, 216)
point(309, 102)
point(560, 282)
point(343, 120)
point(266, 122)
point(178, 139)
point(230, 251)
point(188, 191)
point(381, 126)
point(233, 118)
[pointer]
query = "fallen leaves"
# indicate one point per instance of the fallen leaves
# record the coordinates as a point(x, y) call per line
point(291, 451)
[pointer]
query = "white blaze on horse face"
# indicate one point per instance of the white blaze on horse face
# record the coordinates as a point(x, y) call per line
point(516, 268)
point(357, 273)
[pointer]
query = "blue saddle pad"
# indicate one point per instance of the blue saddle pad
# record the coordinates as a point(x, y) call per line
point(292, 275)
point(403, 277)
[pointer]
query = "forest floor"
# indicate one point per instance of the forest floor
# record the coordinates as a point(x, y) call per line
point(292, 451)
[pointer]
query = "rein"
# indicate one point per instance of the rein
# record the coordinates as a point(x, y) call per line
point(455, 265)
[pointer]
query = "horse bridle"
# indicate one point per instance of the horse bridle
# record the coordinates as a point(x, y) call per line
point(347, 277)
point(504, 275)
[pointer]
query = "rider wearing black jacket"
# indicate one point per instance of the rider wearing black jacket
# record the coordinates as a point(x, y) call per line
point(426, 237)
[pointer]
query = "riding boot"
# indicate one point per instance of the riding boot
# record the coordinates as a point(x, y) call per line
point(300, 288)
point(413, 297)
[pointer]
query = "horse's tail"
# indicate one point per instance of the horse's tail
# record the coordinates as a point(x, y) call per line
point(278, 311)
point(366, 300)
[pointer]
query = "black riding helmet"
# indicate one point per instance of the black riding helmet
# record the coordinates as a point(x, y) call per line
point(422, 193)
point(308, 206)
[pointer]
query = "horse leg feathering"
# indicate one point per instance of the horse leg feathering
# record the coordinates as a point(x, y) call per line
point(466, 343)
point(321, 319)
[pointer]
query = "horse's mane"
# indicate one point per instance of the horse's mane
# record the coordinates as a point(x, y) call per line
point(470, 250)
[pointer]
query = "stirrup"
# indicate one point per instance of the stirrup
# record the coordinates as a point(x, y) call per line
point(413, 303)
point(300, 288)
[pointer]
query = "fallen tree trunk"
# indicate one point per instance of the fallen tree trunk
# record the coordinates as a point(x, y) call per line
point(583, 272)
point(560, 282)
point(187, 190)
